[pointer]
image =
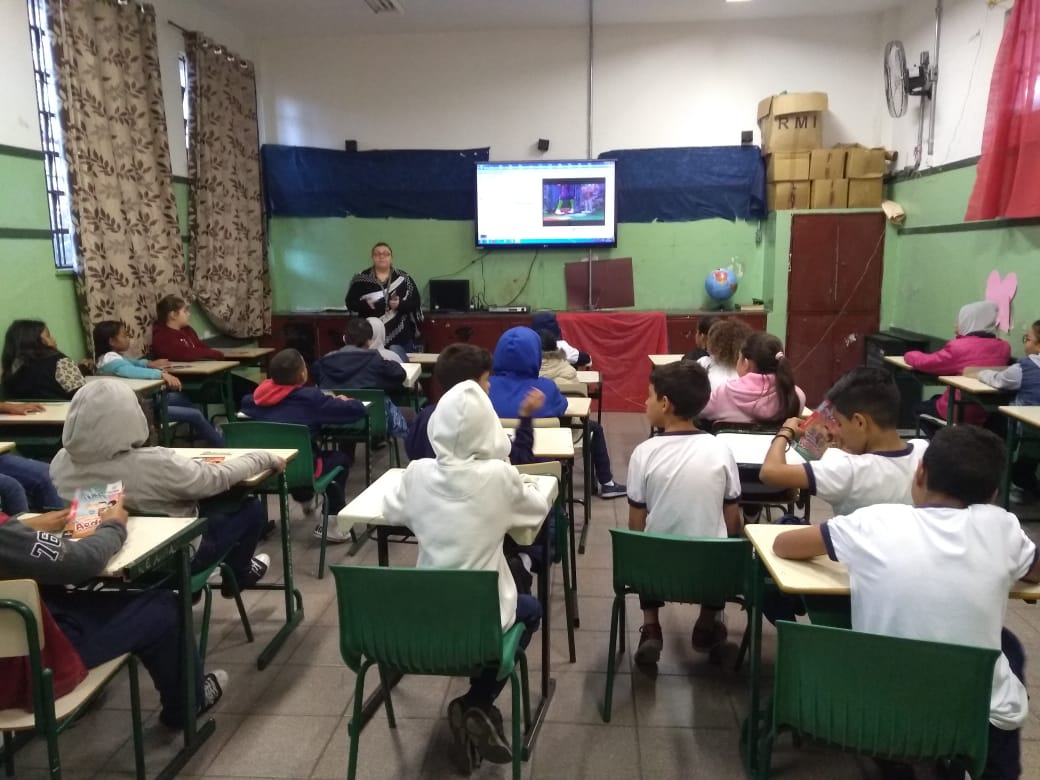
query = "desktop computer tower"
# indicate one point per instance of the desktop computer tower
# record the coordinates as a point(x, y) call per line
point(897, 341)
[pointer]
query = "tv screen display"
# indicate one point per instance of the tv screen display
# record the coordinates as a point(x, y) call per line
point(546, 204)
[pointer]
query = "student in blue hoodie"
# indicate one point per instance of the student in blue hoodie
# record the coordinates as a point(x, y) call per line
point(285, 397)
point(111, 341)
point(517, 362)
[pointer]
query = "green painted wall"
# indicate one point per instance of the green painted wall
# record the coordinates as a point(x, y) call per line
point(312, 261)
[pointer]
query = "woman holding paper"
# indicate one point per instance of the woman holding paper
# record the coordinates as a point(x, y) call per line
point(391, 295)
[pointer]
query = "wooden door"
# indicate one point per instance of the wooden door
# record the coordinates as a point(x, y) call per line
point(834, 295)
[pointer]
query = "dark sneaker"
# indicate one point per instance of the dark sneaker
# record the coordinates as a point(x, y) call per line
point(463, 753)
point(257, 569)
point(651, 641)
point(612, 489)
point(486, 731)
point(213, 685)
point(706, 638)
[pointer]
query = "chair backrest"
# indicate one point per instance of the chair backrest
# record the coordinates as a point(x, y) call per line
point(377, 422)
point(418, 621)
point(676, 568)
point(724, 426)
point(536, 422)
point(14, 639)
point(299, 472)
point(886, 696)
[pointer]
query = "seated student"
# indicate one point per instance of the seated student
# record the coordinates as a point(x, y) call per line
point(554, 362)
point(764, 391)
point(378, 340)
point(724, 342)
point(111, 341)
point(99, 625)
point(471, 484)
point(546, 320)
point(518, 358)
point(104, 441)
point(34, 367)
point(285, 397)
point(33, 476)
point(455, 364)
point(682, 482)
point(872, 465)
point(975, 344)
point(173, 338)
point(941, 570)
point(704, 325)
point(1024, 378)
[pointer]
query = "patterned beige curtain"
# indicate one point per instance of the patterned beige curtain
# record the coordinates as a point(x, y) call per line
point(127, 238)
point(228, 251)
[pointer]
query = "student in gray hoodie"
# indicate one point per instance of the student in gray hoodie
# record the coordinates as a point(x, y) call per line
point(104, 441)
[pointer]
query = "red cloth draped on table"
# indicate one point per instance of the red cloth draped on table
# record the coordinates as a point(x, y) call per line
point(1007, 183)
point(619, 343)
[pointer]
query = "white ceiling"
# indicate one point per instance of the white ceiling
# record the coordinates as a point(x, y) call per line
point(265, 18)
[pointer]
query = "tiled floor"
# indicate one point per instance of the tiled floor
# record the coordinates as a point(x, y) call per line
point(290, 721)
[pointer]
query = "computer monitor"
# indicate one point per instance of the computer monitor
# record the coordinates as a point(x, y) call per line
point(449, 295)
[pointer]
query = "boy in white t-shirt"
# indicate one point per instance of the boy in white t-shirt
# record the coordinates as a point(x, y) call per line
point(872, 465)
point(941, 569)
point(682, 482)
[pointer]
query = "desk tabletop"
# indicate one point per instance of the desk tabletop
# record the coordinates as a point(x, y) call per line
point(139, 386)
point(367, 507)
point(749, 449)
point(590, 377)
point(577, 407)
point(664, 360)
point(1030, 415)
point(54, 413)
point(551, 442)
point(969, 384)
point(201, 367)
point(821, 575)
point(898, 361)
point(245, 353)
point(148, 536)
point(423, 358)
point(202, 453)
point(411, 373)
point(7, 446)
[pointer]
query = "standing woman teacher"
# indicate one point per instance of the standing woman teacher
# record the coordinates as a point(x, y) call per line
point(391, 295)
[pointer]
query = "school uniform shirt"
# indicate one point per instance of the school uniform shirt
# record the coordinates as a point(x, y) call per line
point(682, 479)
point(940, 574)
point(462, 503)
point(849, 482)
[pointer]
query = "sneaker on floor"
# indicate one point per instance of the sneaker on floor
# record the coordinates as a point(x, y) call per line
point(706, 638)
point(651, 642)
point(612, 489)
point(213, 685)
point(334, 535)
point(257, 569)
point(463, 752)
point(487, 734)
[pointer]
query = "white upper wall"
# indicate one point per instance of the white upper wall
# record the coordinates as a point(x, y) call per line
point(677, 85)
point(970, 38)
point(19, 124)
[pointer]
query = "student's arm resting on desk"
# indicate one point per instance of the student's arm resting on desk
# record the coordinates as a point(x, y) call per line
point(193, 479)
point(528, 506)
point(129, 369)
point(800, 544)
point(1008, 379)
point(336, 409)
point(941, 362)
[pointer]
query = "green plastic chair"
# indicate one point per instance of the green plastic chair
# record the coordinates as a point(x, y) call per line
point(299, 472)
point(376, 429)
point(21, 634)
point(900, 701)
point(675, 569)
point(426, 621)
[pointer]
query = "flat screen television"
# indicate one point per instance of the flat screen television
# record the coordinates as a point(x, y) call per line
point(546, 204)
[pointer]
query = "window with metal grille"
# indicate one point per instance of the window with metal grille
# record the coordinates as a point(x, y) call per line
point(55, 166)
point(182, 70)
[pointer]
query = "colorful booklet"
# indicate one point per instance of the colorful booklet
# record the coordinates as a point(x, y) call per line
point(819, 430)
point(87, 506)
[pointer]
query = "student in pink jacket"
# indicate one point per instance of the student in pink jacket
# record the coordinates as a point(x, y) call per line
point(764, 390)
point(976, 344)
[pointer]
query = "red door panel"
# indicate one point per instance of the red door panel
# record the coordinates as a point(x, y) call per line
point(814, 245)
point(861, 244)
point(808, 349)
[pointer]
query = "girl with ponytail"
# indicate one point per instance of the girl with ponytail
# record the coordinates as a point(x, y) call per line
point(764, 390)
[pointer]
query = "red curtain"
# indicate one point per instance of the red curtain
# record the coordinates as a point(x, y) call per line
point(619, 343)
point(1008, 180)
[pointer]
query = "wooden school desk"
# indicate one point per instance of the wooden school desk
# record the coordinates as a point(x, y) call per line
point(664, 360)
point(37, 434)
point(367, 509)
point(54, 413)
point(969, 386)
point(293, 597)
point(578, 409)
point(1027, 416)
point(818, 576)
point(593, 381)
point(6, 446)
point(247, 356)
point(198, 374)
point(424, 359)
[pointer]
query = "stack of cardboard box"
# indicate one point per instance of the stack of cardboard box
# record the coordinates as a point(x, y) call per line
point(802, 175)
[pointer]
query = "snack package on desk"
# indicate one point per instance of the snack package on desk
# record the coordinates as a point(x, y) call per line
point(210, 457)
point(87, 506)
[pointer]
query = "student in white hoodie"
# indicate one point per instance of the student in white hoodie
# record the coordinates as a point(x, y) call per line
point(460, 506)
point(104, 441)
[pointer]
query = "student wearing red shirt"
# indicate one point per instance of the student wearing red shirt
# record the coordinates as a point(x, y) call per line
point(173, 338)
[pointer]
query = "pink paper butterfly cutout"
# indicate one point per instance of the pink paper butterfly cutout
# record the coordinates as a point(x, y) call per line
point(1001, 291)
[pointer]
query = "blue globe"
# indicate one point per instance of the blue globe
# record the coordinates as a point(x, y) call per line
point(721, 284)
